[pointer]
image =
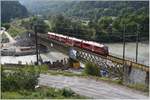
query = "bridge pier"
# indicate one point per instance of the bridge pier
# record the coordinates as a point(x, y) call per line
point(147, 79)
point(126, 74)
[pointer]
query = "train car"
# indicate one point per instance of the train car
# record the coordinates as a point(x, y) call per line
point(95, 47)
point(51, 35)
point(57, 37)
point(87, 45)
point(62, 38)
point(101, 50)
point(77, 42)
point(69, 41)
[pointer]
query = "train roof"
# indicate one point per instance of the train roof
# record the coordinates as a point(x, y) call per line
point(60, 35)
point(94, 43)
point(51, 33)
point(73, 38)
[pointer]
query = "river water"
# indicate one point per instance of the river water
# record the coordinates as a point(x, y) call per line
point(130, 51)
point(29, 59)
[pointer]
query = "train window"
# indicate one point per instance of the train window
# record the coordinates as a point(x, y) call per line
point(77, 42)
point(63, 39)
point(96, 48)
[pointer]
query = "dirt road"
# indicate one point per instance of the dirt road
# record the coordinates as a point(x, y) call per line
point(91, 88)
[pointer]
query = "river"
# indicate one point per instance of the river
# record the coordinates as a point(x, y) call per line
point(130, 51)
point(29, 59)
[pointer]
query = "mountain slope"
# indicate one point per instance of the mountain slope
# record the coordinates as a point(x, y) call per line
point(85, 9)
point(12, 9)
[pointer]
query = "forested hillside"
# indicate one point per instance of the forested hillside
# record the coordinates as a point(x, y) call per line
point(46, 7)
point(85, 9)
point(11, 10)
point(102, 21)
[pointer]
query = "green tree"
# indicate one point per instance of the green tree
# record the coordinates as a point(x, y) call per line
point(104, 22)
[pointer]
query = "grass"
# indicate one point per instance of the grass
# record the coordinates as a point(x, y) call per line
point(41, 68)
point(42, 93)
point(64, 73)
point(106, 79)
point(140, 87)
point(16, 29)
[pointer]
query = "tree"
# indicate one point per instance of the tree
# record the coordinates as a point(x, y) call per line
point(42, 27)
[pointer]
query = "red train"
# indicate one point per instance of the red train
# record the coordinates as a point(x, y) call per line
point(87, 45)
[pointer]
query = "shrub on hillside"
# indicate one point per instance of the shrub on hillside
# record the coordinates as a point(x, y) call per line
point(92, 69)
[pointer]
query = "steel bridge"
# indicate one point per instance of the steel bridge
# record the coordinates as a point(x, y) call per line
point(117, 67)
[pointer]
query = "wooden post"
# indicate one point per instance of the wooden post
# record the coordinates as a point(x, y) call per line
point(36, 44)
point(137, 40)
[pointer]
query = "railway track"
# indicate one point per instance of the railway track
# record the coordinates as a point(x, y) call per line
point(109, 57)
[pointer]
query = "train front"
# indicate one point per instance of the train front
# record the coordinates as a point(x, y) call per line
point(106, 50)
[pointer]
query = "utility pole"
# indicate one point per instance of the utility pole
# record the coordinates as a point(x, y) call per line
point(123, 45)
point(36, 44)
point(124, 31)
point(123, 36)
point(137, 40)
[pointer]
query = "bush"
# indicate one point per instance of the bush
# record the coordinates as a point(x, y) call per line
point(20, 79)
point(67, 92)
point(92, 69)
